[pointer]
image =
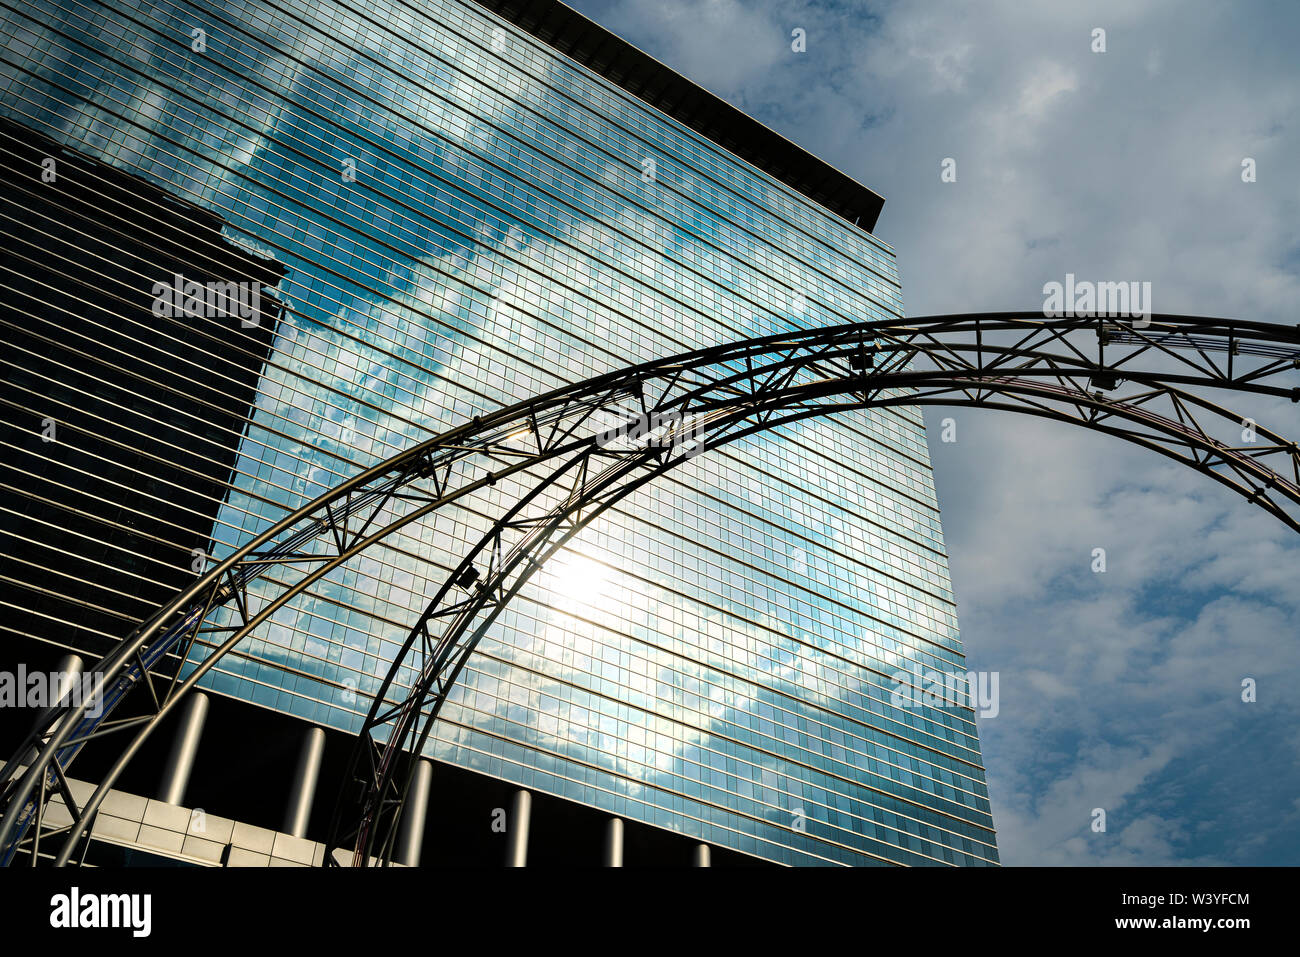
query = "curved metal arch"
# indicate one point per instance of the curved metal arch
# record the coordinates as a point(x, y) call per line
point(443, 659)
point(714, 388)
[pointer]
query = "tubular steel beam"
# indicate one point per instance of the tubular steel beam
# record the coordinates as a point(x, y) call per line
point(546, 467)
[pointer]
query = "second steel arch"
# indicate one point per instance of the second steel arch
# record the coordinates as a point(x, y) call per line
point(1014, 362)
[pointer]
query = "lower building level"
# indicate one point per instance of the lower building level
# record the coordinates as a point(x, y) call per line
point(226, 783)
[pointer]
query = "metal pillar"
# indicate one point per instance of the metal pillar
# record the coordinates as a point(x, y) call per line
point(613, 856)
point(69, 669)
point(185, 745)
point(302, 792)
point(701, 856)
point(410, 834)
point(521, 809)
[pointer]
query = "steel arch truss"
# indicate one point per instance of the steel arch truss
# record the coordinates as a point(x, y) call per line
point(543, 469)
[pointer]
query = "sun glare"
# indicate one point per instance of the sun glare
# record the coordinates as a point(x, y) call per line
point(577, 580)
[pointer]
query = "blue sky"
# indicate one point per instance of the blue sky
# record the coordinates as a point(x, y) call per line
point(1118, 691)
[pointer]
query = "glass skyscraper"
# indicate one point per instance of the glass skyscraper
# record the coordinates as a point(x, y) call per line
point(472, 203)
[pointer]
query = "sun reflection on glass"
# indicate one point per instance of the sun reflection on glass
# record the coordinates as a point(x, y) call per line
point(576, 580)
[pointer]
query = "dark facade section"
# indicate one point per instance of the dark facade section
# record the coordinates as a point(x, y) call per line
point(122, 403)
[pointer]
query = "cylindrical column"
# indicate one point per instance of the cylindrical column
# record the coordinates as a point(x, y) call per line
point(410, 830)
point(185, 745)
point(521, 809)
point(302, 791)
point(701, 856)
point(69, 670)
point(613, 856)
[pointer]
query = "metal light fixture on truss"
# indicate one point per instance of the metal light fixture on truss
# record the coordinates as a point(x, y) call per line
point(553, 469)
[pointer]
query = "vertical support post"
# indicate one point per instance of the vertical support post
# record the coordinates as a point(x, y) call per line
point(185, 745)
point(701, 856)
point(70, 667)
point(410, 830)
point(302, 790)
point(69, 670)
point(613, 856)
point(521, 810)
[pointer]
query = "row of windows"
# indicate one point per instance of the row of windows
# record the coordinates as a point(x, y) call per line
point(328, 145)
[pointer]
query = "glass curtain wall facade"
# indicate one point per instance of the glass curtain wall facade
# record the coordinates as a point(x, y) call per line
point(465, 218)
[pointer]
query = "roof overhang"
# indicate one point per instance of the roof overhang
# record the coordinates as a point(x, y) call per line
point(640, 74)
